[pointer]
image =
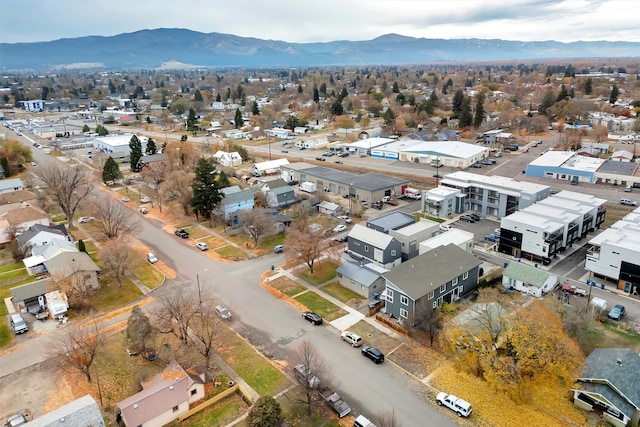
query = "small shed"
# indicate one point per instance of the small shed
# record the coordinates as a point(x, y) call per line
point(329, 208)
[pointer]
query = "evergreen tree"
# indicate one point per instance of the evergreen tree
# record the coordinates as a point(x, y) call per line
point(238, 119)
point(458, 97)
point(4, 162)
point(614, 94)
point(192, 121)
point(323, 89)
point(465, 119)
point(388, 116)
point(336, 107)
point(316, 95)
point(563, 94)
point(81, 246)
point(300, 90)
point(206, 190)
point(395, 88)
point(151, 147)
point(218, 98)
point(101, 130)
point(433, 97)
point(479, 114)
point(449, 82)
point(254, 109)
point(266, 412)
point(85, 128)
point(588, 86)
point(547, 101)
point(223, 180)
point(111, 171)
point(135, 155)
point(197, 97)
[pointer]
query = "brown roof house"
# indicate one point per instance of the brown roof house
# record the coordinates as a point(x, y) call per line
point(21, 219)
point(163, 398)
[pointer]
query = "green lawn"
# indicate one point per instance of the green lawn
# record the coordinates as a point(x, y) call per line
point(220, 414)
point(5, 333)
point(267, 243)
point(258, 372)
point(322, 273)
point(10, 267)
point(12, 275)
point(231, 252)
point(146, 273)
point(196, 232)
point(58, 218)
point(326, 309)
point(340, 292)
point(113, 296)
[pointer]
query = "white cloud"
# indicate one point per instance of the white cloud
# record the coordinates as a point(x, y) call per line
point(299, 21)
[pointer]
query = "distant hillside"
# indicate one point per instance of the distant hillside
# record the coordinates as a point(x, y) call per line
point(152, 48)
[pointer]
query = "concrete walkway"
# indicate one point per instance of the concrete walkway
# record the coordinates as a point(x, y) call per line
point(352, 317)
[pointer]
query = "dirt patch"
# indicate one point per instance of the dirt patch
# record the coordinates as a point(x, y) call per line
point(417, 360)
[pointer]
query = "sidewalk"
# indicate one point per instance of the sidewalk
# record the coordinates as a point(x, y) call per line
point(344, 322)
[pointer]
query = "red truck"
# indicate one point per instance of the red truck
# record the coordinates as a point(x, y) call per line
point(574, 290)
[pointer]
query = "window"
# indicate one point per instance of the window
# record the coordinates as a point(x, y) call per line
point(404, 300)
point(194, 391)
point(366, 248)
point(454, 282)
point(393, 252)
point(175, 409)
point(435, 305)
point(389, 295)
point(431, 294)
point(443, 288)
point(403, 313)
point(465, 276)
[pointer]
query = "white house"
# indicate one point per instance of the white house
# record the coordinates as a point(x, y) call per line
point(270, 167)
point(224, 158)
point(527, 279)
point(10, 185)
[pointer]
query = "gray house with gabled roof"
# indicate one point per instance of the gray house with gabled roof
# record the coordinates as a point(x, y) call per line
point(368, 244)
point(609, 385)
point(442, 275)
point(281, 196)
point(391, 221)
point(83, 412)
point(232, 203)
point(364, 278)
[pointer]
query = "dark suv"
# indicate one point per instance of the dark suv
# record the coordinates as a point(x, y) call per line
point(373, 353)
point(180, 232)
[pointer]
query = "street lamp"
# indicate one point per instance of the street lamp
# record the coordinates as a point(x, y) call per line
point(199, 290)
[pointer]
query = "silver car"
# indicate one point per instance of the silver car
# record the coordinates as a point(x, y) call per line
point(223, 312)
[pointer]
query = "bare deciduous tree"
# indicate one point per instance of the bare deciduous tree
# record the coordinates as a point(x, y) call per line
point(69, 186)
point(176, 313)
point(426, 319)
point(115, 256)
point(205, 334)
point(387, 419)
point(257, 223)
point(178, 186)
point(113, 218)
point(155, 174)
point(490, 319)
point(75, 282)
point(306, 242)
point(310, 370)
point(77, 349)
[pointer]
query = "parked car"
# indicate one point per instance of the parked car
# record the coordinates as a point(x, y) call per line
point(293, 182)
point(373, 353)
point(84, 219)
point(145, 199)
point(278, 249)
point(312, 317)
point(345, 218)
point(373, 304)
point(320, 159)
point(376, 205)
point(498, 154)
point(492, 238)
point(445, 227)
point(338, 162)
point(467, 218)
point(340, 239)
point(202, 246)
point(223, 312)
point(574, 290)
point(16, 420)
point(18, 324)
point(143, 210)
point(181, 232)
point(617, 312)
point(125, 199)
point(152, 258)
point(628, 202)
point(344, 154)
point(352, 338)
point(475, 216)
point(339, 228)
point(461, 407)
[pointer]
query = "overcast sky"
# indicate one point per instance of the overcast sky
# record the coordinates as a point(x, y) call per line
point(326, 20)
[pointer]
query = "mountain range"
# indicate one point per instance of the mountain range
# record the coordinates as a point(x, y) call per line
point(182, 48)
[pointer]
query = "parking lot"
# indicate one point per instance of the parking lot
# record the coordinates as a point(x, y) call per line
point(479, 229)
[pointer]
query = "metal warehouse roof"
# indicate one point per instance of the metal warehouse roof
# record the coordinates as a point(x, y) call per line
point(619, 168)
point(370, 181)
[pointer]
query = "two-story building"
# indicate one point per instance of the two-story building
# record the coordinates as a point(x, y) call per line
point(369, 244)
point(442, 275)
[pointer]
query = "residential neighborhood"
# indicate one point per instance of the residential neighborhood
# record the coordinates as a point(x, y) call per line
point(174, 243)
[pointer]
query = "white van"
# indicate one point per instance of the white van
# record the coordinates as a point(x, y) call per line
point(18, 324)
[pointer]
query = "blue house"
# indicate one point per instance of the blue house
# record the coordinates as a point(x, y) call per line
point(234, 203)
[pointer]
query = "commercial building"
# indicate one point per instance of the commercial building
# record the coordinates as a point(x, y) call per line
point(496, 196)
point(565, 166)
point(452, 154)
point(117, 146)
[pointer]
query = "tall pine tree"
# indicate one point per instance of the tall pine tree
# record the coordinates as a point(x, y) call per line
point(465, 119)
point(151, 147)
point(479, 114)
point(111, 171)
point(239, 122)
point(458, 97)
point(206, 189)
point(135, 147)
